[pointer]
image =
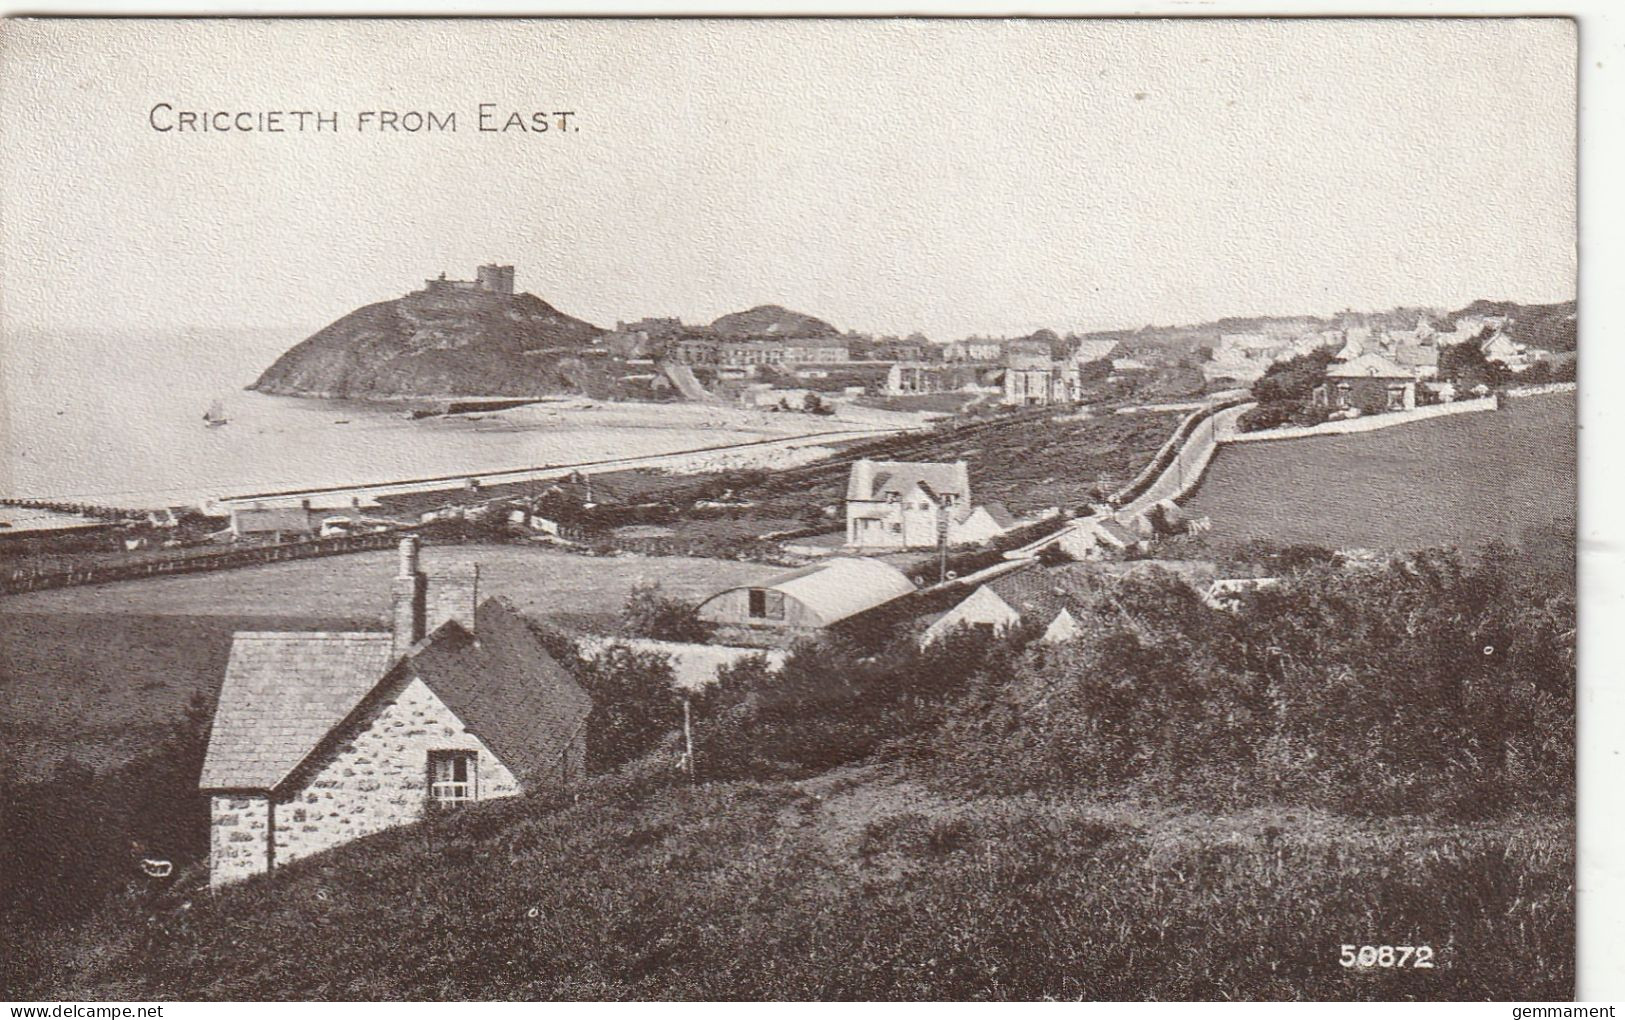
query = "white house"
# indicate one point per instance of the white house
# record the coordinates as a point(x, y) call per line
point(1507, 352)
point(1226, 592)
point(1090, 538)
point(902, 505)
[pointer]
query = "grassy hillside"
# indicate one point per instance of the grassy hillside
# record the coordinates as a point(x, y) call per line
point(100, 689)
point(1185, 802)
point(857, 884)
point(437, 344)
point(1460, 480)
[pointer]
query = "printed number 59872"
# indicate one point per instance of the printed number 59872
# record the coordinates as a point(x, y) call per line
point(1414, 957)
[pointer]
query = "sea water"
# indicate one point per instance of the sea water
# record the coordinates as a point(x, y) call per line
point(118, 420)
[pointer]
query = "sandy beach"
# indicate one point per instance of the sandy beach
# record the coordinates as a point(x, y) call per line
point(570, 434)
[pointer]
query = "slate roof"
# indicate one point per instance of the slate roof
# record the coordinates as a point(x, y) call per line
point(1369, 366)
point(1120, 531)
point(283, 692)
point(1416, 355)
point(504, 686)
point(901, 476)
point(1001, 514)
point(254, 520)
point(1039, 593)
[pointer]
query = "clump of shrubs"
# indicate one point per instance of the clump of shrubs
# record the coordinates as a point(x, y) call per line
point(1277, 414)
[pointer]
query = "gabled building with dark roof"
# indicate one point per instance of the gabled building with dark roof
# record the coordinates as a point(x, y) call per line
point(1049, 598)
point(277, 522)
point(320, 738)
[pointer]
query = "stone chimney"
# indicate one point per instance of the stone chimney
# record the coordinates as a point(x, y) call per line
point(452, 593)
point(423, 601)
point(862, 485)
point(408, 603)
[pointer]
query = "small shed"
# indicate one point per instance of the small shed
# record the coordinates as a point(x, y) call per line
point(807, 599)
point(276, 522)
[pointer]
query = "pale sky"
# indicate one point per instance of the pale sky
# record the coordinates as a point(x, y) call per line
point(947, 176)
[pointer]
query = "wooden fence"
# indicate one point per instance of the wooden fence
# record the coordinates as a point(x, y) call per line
point(23, 580)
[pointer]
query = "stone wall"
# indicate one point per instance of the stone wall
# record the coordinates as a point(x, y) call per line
point(378, 777)
point(239, 837)
point(1367, 422)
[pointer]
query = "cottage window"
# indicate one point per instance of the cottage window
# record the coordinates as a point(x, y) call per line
point(453, 778)
point(766, 604)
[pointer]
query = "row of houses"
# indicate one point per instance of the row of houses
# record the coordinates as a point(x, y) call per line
point(1059, 602)
point(1385, 371)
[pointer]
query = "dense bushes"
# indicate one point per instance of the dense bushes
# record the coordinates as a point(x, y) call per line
point(651, 613)
point(1278, 413)
point(1291, 380)
point(834, 702)
point(68, 842)
point(1430, 684)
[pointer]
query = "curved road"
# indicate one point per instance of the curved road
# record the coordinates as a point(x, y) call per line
point(1181, 476)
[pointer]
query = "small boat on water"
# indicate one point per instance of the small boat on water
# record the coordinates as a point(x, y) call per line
point(215, 416)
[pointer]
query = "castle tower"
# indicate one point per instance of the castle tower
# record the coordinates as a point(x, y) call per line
point(494, 279)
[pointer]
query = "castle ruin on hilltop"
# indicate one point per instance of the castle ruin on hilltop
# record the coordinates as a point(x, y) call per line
point(488, 279)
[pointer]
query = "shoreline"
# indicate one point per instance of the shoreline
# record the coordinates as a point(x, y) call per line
point(756, 453)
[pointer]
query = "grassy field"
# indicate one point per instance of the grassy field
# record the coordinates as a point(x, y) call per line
point(1461, 480)
point(95, 672)
point(856, 884)
point(1027, 463)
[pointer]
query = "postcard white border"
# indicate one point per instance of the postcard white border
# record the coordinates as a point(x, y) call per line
point(1601, 700)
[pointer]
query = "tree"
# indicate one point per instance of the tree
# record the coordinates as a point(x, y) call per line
point(1055, 555)
point(650, 613)
point(1293, 379)
point(1466, 366)
point(634, 704)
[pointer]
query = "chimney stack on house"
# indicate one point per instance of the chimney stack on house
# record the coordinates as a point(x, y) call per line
point(862, 482)
point(423, 601)
point(407, 592)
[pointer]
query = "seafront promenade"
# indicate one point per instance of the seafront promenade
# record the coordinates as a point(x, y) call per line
point(780, 451)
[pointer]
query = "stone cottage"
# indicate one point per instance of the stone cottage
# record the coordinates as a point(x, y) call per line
point(1369, 383)
point(320, 738)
